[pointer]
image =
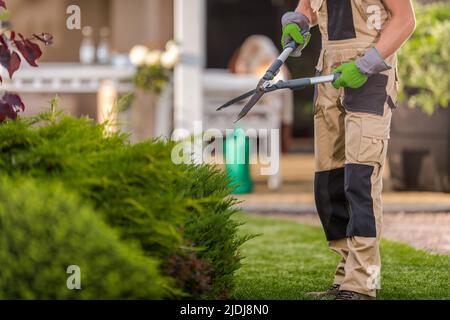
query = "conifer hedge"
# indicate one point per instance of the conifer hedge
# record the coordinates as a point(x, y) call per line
point(180, 215)
point(45, 230)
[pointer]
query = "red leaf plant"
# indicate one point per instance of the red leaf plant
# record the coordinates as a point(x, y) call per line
point(12, 50)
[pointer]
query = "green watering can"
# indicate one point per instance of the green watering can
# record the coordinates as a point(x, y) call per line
point(237, 161)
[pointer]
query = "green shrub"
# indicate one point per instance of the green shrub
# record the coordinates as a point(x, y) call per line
point(44, 230)
point(424, 61)
point(180, 214)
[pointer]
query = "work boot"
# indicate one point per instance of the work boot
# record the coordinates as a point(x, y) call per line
point(350, 295)
point(331, 292)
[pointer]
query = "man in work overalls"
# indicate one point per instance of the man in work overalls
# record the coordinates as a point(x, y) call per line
point(352, 119)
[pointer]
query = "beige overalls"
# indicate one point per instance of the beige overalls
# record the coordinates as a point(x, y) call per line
point(351, 139)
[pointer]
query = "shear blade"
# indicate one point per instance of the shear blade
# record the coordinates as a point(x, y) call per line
point(235, 100)
point(253, 101)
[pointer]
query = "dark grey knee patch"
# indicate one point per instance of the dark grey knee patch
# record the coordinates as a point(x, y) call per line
point(358, 190)
point(331, 203)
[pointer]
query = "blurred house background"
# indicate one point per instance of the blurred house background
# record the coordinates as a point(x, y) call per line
point(129, 23)
point(221, 27)
point(209, 33)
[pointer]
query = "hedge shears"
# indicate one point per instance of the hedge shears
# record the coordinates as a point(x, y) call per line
point(266, 84)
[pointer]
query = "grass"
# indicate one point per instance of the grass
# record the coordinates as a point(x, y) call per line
point(289, 259)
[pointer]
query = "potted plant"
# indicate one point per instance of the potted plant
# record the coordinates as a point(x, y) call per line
point(153, 77)
point(420, 144)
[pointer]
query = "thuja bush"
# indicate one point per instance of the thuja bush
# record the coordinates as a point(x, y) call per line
point(179, 214)
point(44, 230)
point(210, 225)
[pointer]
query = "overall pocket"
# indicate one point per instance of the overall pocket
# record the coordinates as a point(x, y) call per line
point(370, 98)
point(375, 136)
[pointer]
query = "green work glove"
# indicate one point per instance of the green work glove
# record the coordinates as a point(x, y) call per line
point(295, 28)
point(355, 74)
point(351, 76)
point(292, 32)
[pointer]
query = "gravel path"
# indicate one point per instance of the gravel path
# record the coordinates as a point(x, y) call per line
point(427, 231)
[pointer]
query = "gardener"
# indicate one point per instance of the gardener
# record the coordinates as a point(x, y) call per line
point(352, 123)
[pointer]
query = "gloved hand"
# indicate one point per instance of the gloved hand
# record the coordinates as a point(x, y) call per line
point(295, 28)
point(351, 76)
point(355, 74)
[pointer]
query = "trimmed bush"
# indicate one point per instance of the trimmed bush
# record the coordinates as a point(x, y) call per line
point(44, 230)
point(179, 214)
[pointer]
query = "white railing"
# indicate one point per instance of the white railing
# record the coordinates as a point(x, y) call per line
point(68, 78)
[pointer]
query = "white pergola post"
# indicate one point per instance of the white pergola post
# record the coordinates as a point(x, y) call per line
point(190, 33)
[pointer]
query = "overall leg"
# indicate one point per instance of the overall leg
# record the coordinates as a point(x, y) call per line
point(330, 197)
point(366, 146)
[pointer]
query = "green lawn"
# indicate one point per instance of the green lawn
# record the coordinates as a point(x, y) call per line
point(289, 259)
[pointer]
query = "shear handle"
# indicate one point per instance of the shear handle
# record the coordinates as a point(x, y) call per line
point(277, 64)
